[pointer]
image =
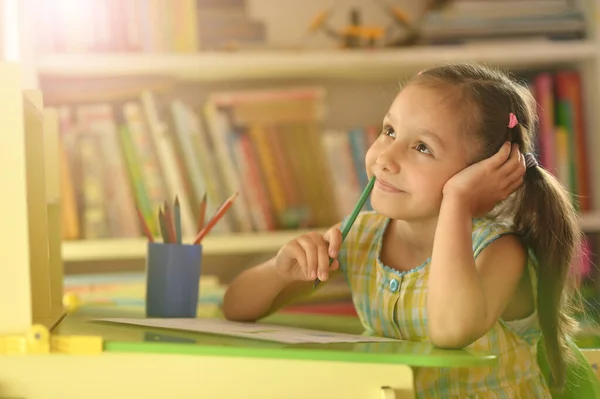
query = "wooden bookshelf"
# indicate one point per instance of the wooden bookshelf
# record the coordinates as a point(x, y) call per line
point(311, 64)
point(230, 244)
point(290, 64)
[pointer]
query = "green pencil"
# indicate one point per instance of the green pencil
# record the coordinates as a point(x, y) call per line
point(177, 221)
point(353, 216)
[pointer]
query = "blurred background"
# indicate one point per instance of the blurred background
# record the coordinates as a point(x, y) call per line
point(279, 100)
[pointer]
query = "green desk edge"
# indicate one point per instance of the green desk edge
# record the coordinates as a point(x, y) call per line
point(140, 339)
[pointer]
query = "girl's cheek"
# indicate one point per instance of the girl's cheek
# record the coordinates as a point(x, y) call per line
point(369, 173)
point(370, 160)
point(371, 155)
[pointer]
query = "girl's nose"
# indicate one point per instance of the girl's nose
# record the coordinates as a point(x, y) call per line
point(387, 161)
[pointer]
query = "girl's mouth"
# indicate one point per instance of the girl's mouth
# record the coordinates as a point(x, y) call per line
point(388, 188)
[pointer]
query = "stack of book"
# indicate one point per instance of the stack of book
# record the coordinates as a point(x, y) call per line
point(473, 20)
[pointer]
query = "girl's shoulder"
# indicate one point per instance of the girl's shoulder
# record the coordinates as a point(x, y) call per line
point(487, 230)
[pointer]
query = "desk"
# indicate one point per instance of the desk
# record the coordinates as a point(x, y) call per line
point(158, 363)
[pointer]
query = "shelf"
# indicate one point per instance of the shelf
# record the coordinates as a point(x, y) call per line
point(311, 63)
point(590, 222)
point(235, 244)
point(135, 248)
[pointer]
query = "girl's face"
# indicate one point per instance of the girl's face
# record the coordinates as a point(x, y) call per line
point(421, 146)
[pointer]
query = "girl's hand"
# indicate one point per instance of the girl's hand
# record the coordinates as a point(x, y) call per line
point(482, 185)
point(307, 257)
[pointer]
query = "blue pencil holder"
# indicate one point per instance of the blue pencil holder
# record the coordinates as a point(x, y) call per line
point(172, 280)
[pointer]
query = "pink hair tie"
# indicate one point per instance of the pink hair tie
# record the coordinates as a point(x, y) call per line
point(512, 120)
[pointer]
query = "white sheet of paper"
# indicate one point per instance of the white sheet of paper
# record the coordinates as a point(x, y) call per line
point(266, 332)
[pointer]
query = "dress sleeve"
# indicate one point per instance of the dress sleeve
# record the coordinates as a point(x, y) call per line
point(486, 232)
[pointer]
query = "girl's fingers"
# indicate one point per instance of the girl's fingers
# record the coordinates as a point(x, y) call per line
point(334, 238)
point(313, 251)
point(498, 159)
point(310, 251)
point(296, 252)
point(514, 187)
point(522, 160)
point(516, 175)
point(512, 163)
point(322, 256)
point(334, 265)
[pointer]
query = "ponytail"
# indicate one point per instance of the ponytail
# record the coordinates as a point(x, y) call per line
point(495, 108)
point(549, 224)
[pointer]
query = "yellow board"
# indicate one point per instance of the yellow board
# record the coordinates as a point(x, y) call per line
point(31, 267)
point(36, 204)
point(15, 277)
point(154, 376)
point(54, 214)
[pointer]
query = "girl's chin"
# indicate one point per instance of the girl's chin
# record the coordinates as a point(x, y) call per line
point(392, 211)
point(399, 210)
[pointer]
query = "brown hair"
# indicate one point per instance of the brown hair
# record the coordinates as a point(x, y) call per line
point(541, 210)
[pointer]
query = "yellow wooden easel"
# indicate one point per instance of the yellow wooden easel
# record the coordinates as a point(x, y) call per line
point(31, 272)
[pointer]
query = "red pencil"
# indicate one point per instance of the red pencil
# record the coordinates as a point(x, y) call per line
point(144, 225)
point(218, 215)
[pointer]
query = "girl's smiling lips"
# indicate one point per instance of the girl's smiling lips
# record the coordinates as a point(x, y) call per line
point(388, 188)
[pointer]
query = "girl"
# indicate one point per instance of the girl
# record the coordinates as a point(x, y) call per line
point(469, 244)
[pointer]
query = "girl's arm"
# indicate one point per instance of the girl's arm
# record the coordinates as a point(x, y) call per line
point(467, 296)
point(263, 289)
point(260, 291)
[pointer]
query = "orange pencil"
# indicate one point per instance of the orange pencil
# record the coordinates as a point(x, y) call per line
point(144, 225)
point(169, 223)
point(218, 215)
point(202, 213)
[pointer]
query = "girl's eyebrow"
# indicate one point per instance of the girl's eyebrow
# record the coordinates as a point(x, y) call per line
point(432, 136)
point(423, 132)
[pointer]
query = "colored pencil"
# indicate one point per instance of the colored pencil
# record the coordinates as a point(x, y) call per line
point(353, 215)
point(217, 216)
point(144, 225)
point(177, 220)
point(169, 223)
point(163, 226)
point(202, 213)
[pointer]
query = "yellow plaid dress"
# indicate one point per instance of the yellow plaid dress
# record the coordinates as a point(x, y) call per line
point(393, 304)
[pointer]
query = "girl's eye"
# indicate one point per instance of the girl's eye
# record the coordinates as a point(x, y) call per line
point(388, 131)
point(422, 148)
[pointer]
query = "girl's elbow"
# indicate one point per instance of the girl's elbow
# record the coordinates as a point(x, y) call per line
point(229, 313)
point(453, 337)
point(233, 312)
